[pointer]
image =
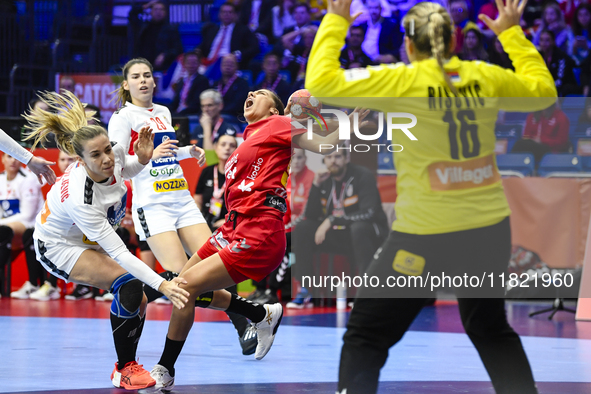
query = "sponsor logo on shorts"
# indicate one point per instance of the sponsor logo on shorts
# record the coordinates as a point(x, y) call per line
point(165, 171)
point(170, 185)
point(275, 202)
point(239, 246)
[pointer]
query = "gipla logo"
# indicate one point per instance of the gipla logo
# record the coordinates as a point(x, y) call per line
point(345, 129)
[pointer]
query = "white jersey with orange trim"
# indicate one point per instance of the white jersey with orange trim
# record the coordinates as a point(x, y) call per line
point(82, 212)
point(20, 198)
point(162, 180)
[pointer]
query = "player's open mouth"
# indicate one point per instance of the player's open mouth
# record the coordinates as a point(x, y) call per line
point(144, 88)
point(249, 103)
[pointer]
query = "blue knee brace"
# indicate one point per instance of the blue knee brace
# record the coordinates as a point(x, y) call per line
point(127, 296)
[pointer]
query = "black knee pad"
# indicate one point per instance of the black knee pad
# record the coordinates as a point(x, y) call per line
point(204, 300)
point(6, 235)
point(131, 294)
point(143, 245)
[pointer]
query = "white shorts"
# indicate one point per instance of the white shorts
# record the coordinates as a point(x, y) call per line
point(154, 219)
point(59, 257)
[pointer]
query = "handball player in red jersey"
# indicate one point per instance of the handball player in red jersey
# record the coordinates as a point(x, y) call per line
point(251, 243)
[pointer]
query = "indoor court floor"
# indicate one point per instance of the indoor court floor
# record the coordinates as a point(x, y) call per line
point(62, 347)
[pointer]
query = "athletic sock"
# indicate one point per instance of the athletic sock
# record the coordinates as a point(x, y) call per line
point(255, 312)
point(171, 352)
point(125, 334)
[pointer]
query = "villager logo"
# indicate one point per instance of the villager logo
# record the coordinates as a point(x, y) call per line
point(457, 175)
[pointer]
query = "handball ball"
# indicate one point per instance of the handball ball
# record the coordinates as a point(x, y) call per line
point(303, 104)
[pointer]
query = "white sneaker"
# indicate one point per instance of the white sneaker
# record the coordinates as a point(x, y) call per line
point(267, 328)
point(24, 292)
point(45, 293)
point(164, 382)
point(108, 296)
point(162, 301)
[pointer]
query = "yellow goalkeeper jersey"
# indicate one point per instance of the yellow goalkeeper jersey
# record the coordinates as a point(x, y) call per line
point(448, 178)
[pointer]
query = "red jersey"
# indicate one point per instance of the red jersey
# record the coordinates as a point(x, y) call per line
point(256, 173)
point(552, 130)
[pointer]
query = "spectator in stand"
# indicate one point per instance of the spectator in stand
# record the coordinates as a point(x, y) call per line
point(383, 37)
point(569, 8)
point(298, 60)
point(318, 9)
point(362, 6)
point(532, 15)
point(344, 204)
point(283, 17)
point(67, 83)
point(489, 9)
point(209, 194)
point(559, 64)
point(232, 87)
point(187, 90)
point(293, 35)
point(352, 55)
point(230, 36)
point(498, 56)
point(20, 201)
point(544, 132)
point(258, 16)
point(581, 27)
point(272, 79)
point(211, 124)
point(473, 48)
point(156, 40)
point(553, 21)
point(460, 13)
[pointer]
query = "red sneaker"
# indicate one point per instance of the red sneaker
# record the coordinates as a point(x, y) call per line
point(132, 377)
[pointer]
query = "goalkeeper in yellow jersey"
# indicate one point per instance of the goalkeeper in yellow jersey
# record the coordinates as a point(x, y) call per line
point(452, 214)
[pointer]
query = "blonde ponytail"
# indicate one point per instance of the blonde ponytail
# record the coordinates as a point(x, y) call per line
point(430, 28)
point(66, 118)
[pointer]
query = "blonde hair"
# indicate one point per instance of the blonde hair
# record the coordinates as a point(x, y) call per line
point(122, 95)
point(66, 118)
point(430, 28)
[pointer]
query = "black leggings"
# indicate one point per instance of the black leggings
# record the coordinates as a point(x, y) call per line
point(376, 324)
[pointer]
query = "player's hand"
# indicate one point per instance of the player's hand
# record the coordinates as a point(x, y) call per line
point(361, 115)
point(287, 110)
point(321, 177)
point(509, 15)
point(321, 231)
point(199, 154)
point(144, 145)
point(172, 291)
point(342, 8)
point(40, 167)
point(165, 149)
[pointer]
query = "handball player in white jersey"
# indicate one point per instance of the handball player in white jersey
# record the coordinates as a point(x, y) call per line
point(75, 236)
point(164, 211)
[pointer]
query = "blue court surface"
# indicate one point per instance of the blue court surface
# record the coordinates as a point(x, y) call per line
point(75, 354)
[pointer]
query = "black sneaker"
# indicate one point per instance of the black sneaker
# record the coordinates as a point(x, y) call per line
point(254, 295)
point(249, 341)
point(81, 292)
point(269, 297)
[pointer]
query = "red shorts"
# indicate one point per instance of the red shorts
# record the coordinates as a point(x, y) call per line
point(252, 250)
